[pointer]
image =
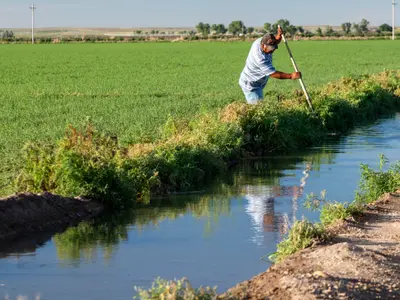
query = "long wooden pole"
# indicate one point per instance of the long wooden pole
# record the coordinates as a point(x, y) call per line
point(303, 86)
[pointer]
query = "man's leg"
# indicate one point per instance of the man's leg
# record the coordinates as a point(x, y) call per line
point(254, 97)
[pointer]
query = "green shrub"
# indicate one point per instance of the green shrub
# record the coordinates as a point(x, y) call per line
point(374, 184)
point(301, 236)
point(176, 290)
point(332, 212)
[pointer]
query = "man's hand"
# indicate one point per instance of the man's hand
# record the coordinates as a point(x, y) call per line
point(280, 31)
point(279, 35)
point(295, 75)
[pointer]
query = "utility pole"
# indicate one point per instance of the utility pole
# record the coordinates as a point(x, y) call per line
point(33, 7)
point(393, 19)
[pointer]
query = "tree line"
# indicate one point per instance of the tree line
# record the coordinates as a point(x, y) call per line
point(239, 28)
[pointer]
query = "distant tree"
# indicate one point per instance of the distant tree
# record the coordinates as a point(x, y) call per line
point(268, 27)
point(385, 27)
point(346, 27)
point(329, 31)
point(221, 29)
point(283, 23)
point(357, 28)
point(204, 29)
point(138, 32)
point(308, 33)
point(214, 27)
point(300, 29)
point(364, 26)
point(153, 32)
point(286, 26)
point(200, 27)
point(237, 27)
point(250, 30)
point(8, 34)
point(319, 31)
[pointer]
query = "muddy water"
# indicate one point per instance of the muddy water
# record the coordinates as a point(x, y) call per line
point(215, 237)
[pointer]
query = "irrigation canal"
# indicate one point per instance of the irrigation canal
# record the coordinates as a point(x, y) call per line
point(216, 237)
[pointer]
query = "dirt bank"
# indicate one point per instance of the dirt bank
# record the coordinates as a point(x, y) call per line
point(26, 214)
point(361, 262)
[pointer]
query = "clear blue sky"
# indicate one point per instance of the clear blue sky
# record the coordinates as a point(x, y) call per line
point(187, 13)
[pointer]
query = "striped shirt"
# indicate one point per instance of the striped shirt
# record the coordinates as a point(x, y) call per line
point(258, 68)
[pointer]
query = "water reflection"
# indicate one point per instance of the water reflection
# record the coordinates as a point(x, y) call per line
point(257, 183)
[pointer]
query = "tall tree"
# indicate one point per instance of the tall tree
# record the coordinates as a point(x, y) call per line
point(250, 30)
point(329, 31)
point(385, 27)
point(237, 27)
point(7, 34)
point(319, 31)
point(204, 29)
point(268, 27)
point(300, 29)
point(200, 27)
point(357, 28)
point(286, 26)
point(221, 29)
point(346, 27)
point(364, 26)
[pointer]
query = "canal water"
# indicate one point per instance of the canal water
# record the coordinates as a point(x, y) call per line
point(216, 237)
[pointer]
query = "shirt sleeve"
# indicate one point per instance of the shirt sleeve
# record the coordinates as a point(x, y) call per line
point(266, 67)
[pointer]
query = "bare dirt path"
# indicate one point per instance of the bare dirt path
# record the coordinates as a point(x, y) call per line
point(362, 261)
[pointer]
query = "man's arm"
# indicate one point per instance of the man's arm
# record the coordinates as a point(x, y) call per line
point(282, 75)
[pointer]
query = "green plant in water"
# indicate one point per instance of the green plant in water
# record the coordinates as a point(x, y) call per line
point(301, 236)
point(374, 184)
point(331, 211)
point(175, 290)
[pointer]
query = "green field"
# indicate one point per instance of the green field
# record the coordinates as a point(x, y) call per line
point(130, 89)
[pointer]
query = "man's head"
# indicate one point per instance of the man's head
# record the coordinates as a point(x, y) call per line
point(269, 43)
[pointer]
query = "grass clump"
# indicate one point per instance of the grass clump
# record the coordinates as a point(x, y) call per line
point(331, 211)
point(176, 290)
point(302, 235)
point(84, 163)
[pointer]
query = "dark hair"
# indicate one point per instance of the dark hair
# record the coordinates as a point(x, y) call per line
point(269, 39)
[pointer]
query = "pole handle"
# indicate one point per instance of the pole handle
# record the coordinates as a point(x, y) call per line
point(303, 86)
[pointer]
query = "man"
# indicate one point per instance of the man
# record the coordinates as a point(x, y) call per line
point(259, 68)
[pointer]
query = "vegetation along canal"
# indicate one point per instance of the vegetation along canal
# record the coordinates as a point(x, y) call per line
point(216, 237)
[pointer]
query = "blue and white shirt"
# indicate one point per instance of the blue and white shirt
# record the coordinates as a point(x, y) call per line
point(258, 68)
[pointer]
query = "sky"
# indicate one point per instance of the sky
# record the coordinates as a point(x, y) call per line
point(188, 13)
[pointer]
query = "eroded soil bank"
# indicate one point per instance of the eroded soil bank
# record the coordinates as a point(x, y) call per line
point(362, 261)
point(23, 215)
